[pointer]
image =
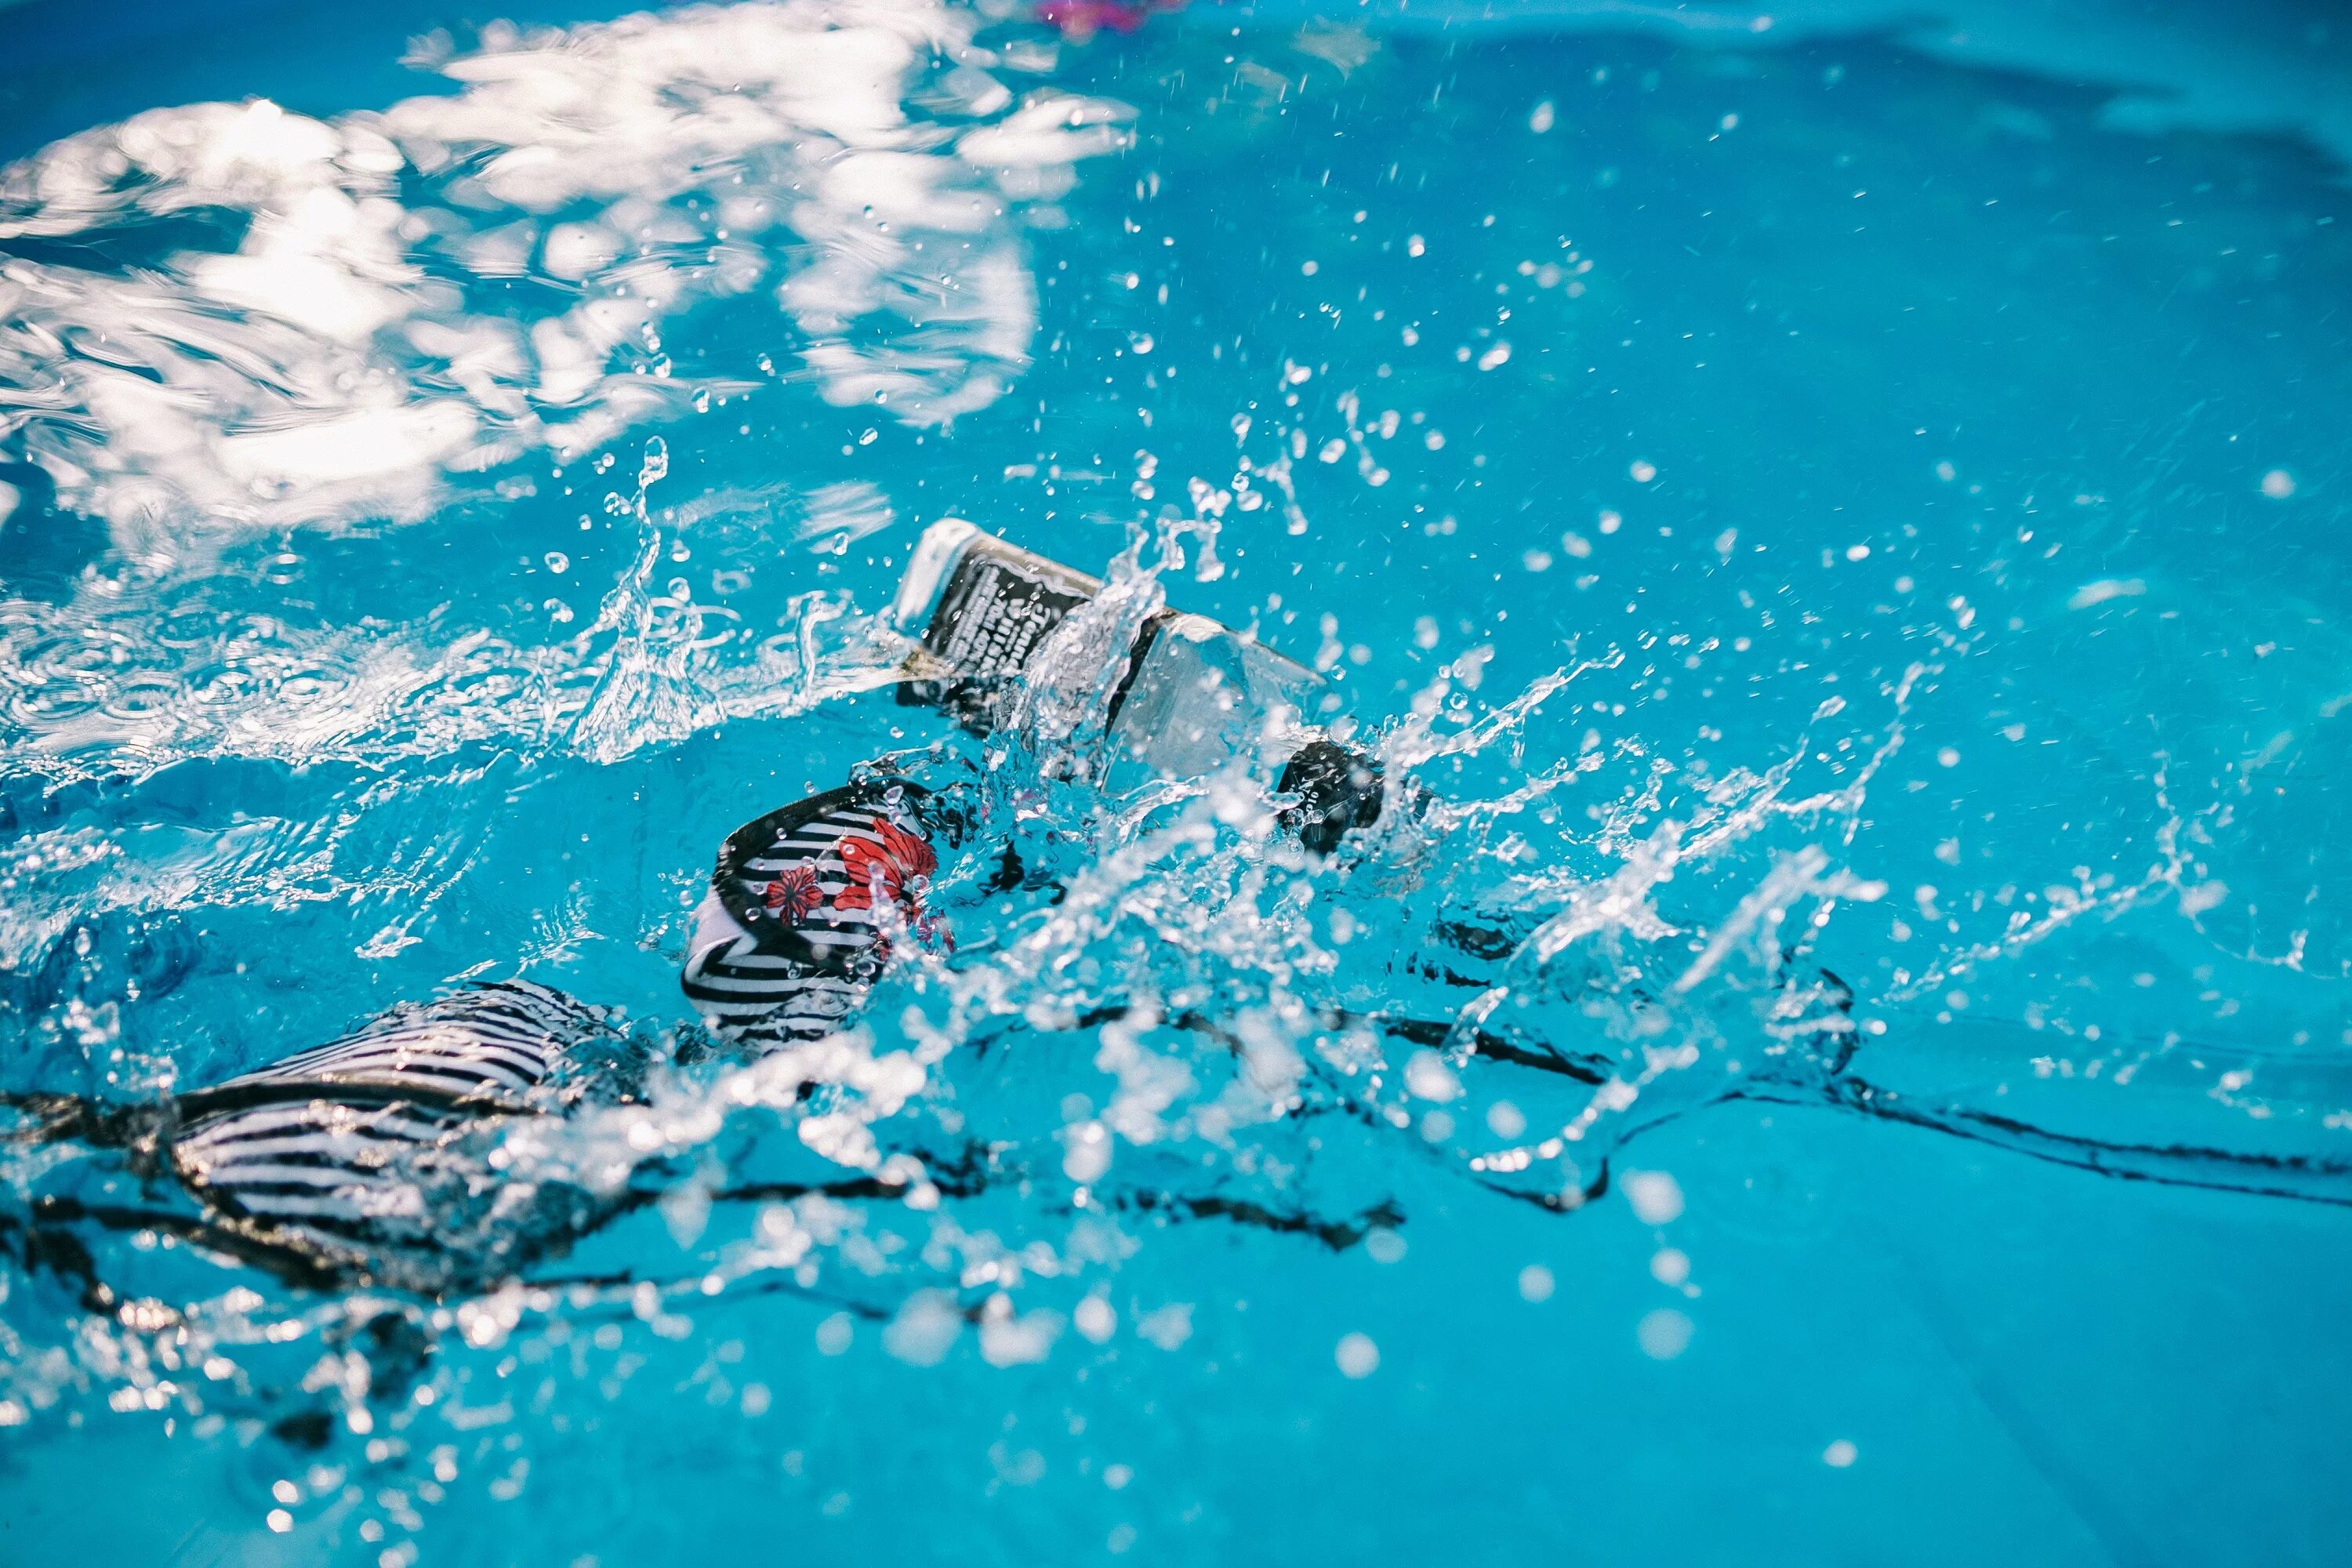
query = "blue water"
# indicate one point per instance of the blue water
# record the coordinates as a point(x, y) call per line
point(1801, 488)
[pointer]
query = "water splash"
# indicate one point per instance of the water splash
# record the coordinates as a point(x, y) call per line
point(1261, 1052)
point(140, 676)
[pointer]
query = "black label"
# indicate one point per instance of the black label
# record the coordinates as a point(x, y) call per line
point(992, 614)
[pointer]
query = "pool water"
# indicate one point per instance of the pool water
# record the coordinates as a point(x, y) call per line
point(1794, 499)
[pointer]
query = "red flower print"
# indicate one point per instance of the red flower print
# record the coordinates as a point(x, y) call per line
point(793, 896)
point(883, 869)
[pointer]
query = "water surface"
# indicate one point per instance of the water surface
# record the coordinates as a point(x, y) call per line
point(1778, 493)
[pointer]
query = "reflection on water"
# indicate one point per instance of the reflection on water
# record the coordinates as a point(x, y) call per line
point(229, 315)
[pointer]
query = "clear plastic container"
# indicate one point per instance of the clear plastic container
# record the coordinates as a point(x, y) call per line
point(1185, 694)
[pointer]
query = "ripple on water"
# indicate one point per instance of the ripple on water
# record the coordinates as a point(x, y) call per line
point(852, 166)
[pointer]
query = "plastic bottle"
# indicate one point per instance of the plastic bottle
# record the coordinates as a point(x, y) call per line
point(994, 635)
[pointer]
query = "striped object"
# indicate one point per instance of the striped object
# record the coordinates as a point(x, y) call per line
point(504, 1039)
point(792, 932)
point(369, 1154)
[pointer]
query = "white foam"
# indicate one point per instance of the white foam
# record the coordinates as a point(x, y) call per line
point(331, 361)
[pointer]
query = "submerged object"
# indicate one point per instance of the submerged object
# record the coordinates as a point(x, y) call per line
point(369, 1159)
point(1337, 790)
point(993, 622)
point(805, 901)
point(1187, 693)
point(803, 905)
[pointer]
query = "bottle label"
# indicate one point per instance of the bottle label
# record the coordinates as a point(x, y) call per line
point(998, 606)
point(1187, 694)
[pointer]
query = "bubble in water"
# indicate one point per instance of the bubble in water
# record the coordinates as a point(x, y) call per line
point(1427, 1076)
point(1664, 1334)
point(1657, 1197)
point(1169, 1327)
point(925, 1328)
point(2278, 484)
point(1088, 1154)
point(1543, 118)
point(1536, 1283)
point(1358, 1356)
point(1009, 1341)
point(1839, 1455)
point(1095, 1319)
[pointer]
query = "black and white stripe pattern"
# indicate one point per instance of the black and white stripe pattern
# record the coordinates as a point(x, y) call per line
point(764, 998)
point(505, 1039)
point(342, 1166)
point(377, 1141)
point(788, 968)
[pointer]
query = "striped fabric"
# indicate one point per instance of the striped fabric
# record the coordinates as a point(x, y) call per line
point(791, 934)
point(344, 1167)
point(385, 1148)
point(503, 1040)
point(763, 999)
